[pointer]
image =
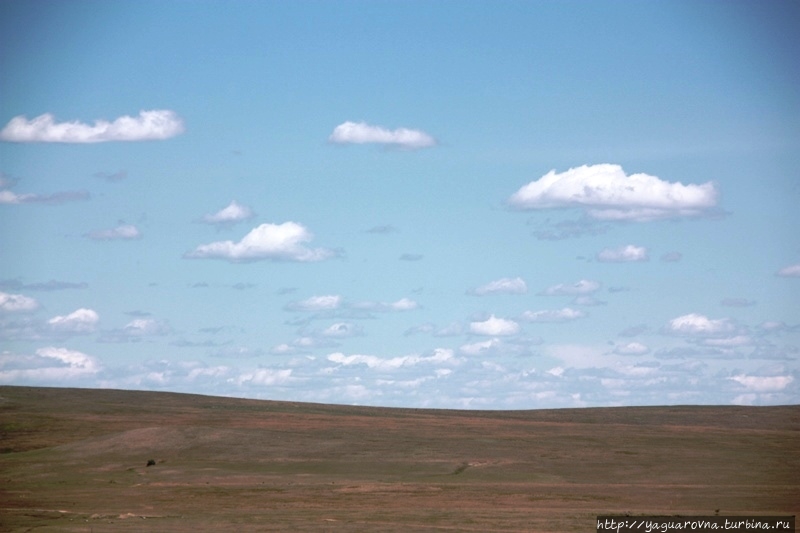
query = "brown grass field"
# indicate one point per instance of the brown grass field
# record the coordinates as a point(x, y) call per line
point(76, 460)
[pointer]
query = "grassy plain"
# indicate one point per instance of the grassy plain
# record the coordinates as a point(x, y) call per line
point(76, 460)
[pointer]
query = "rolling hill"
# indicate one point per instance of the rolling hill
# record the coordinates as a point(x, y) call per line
point(77, 460)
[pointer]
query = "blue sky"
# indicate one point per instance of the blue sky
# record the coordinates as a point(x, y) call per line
point(433, 204)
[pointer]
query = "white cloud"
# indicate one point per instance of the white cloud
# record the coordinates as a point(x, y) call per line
point(124, 232)
point(438, 356)
point(631, 348)
point(283, 349)
point(277, 242)
point(14, 303)
point(773, 325)
point(148, 125)
point(48, 365)
point(316, 303)
point(136, 330)
point(12, 198)
point(369, 360)
point(229, 215)
point(76, 360)
point(79, 321)
point(763, 384)
point(309, 343)
point(264, 376)
point(607, 193)
point(481, 348)
point(623, 254)
point(695, 324)
point(791, 271)
point(214, 371)
point(341, 330)
point(559, 315)
point(453, 329)
point(403, 304)
point(494, 326)
point(729, 342)
point(363, 133)
point(583, 286)
point(141, 327)
point(503, 285)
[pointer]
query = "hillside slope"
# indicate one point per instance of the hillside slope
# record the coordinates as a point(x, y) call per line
point(76, 460)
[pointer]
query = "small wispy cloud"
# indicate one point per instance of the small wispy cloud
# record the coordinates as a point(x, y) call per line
point(763, 383)
point(363, 133)
point(631, 348)
point(79, 321)
point(123, 232)
point(237, 352)
point(333, 302)
point(623, 254)
point(436, 357)
point(9, 197)
point(48, 365)
point(729, 342)
point(341, 330)
point(484, 348)
point(695, 324)
point(791, 271)
point(403, 304)
point(145, 326)
point(581, 287)
point(553, 315)
point(607, 193)
point(501, 286)
point(52, 285)
point(383, 229)
point(15, 303)
point(112, 177)
point(454, 329)
point(230, 215)
point(494, 326)
point(148, 125)
point(265, 377)
point(276, 242)
point(137, 330)
point(316, 303)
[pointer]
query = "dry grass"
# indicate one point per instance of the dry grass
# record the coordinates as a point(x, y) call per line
point(75, 460)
